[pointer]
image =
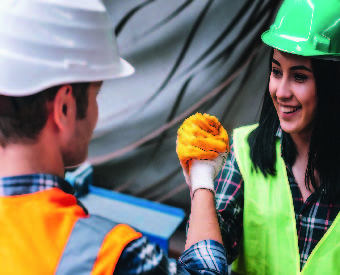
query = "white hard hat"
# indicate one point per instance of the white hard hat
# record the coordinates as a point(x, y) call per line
point(44, 43)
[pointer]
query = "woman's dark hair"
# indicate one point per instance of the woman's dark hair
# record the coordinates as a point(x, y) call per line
point(324, 150)
point(23, 118)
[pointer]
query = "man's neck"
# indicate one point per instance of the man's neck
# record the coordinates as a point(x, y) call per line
point(23, 159)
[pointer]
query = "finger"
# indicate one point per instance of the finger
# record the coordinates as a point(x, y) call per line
point(192, 152)
point(198, 120)
point(210, 144)
point(195, 130)
point(189, 136)
point(203, 121)
point(212, 121)
point(193, 136)
point(224, 137)
point(204, 125)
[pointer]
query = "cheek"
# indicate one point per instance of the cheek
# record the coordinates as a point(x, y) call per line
point(313, 102)
point(93, 112)
point(272, 88)
point(96, 112)
point(307, 96)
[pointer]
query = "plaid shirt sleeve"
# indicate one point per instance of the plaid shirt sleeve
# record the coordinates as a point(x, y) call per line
point(142, 257)
point(229, 204)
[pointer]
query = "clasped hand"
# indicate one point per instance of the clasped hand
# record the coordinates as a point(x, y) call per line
point(202, 147)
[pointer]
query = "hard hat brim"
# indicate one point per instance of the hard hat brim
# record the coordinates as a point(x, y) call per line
point(126, 69)
point(18, 89)
point(295, 45)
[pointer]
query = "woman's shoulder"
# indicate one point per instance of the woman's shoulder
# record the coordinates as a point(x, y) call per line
point(239, 132)
point(245, 128)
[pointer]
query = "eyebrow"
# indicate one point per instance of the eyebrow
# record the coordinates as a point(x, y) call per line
point(299, 67)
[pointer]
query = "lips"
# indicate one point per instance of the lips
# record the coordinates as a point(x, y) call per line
point(289, 109)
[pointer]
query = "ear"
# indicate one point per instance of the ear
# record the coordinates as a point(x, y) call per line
point(64, 108)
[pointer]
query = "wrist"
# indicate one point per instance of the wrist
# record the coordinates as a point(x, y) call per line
point(201, 176)
point(199, 192)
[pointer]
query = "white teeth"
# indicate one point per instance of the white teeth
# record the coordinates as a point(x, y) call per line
point(286, 109)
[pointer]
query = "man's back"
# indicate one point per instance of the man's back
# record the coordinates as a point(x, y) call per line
point(48, 232)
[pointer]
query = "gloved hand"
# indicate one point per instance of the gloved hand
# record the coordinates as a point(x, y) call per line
point(203, 172)
point(202, 147)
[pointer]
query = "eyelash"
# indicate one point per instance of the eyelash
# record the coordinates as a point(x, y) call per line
point(276, 72)
point(299, 77)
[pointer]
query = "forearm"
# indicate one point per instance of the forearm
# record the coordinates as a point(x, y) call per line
point(203, 220)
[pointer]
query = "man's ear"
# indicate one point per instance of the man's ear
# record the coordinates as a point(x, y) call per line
point(64, 107)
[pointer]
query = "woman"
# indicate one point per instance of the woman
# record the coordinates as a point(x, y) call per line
point(278, 193)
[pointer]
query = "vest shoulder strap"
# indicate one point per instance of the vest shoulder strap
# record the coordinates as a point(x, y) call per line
point(269, 244)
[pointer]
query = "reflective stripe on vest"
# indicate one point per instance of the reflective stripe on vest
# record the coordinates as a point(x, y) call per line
point(269, 245)
point(83, 246)
point(84, 249)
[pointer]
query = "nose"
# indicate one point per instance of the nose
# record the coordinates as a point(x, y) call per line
point(283, 89)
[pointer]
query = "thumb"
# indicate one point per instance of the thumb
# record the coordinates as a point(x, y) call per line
point(186, 165)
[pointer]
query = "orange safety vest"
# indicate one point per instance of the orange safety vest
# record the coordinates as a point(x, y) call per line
point(47, 232)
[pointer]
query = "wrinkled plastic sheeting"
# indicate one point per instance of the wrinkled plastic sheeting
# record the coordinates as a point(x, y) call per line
point(189, 56)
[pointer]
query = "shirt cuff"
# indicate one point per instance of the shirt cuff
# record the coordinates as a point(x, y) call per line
point(205, 255)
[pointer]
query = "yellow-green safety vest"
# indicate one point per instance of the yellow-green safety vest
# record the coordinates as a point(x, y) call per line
point(269, 245)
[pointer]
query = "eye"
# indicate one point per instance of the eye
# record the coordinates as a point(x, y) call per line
point(276, 72)
point(300, 78)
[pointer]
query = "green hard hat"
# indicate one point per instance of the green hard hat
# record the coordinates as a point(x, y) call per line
point(307, 28)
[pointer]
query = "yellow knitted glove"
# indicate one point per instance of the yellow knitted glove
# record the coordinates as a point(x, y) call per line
point(200, 137)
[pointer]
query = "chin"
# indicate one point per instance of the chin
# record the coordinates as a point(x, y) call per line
point(289, 130)
point(72, 166)
point(290, 127)
point(294, 129)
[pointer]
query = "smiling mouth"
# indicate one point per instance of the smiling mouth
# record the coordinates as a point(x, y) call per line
point(289, 110)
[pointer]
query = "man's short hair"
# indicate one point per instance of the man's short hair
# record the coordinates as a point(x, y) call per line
point(23, 118)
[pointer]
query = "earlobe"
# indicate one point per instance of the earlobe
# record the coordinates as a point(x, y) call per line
point(63, 105)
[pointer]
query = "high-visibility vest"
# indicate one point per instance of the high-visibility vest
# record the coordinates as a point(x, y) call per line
point(269, 245)
point(48, 233)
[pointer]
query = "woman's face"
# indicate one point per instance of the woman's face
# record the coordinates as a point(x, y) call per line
point(293, 91)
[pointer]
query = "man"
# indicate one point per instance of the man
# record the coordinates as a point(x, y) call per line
point(54, 55)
